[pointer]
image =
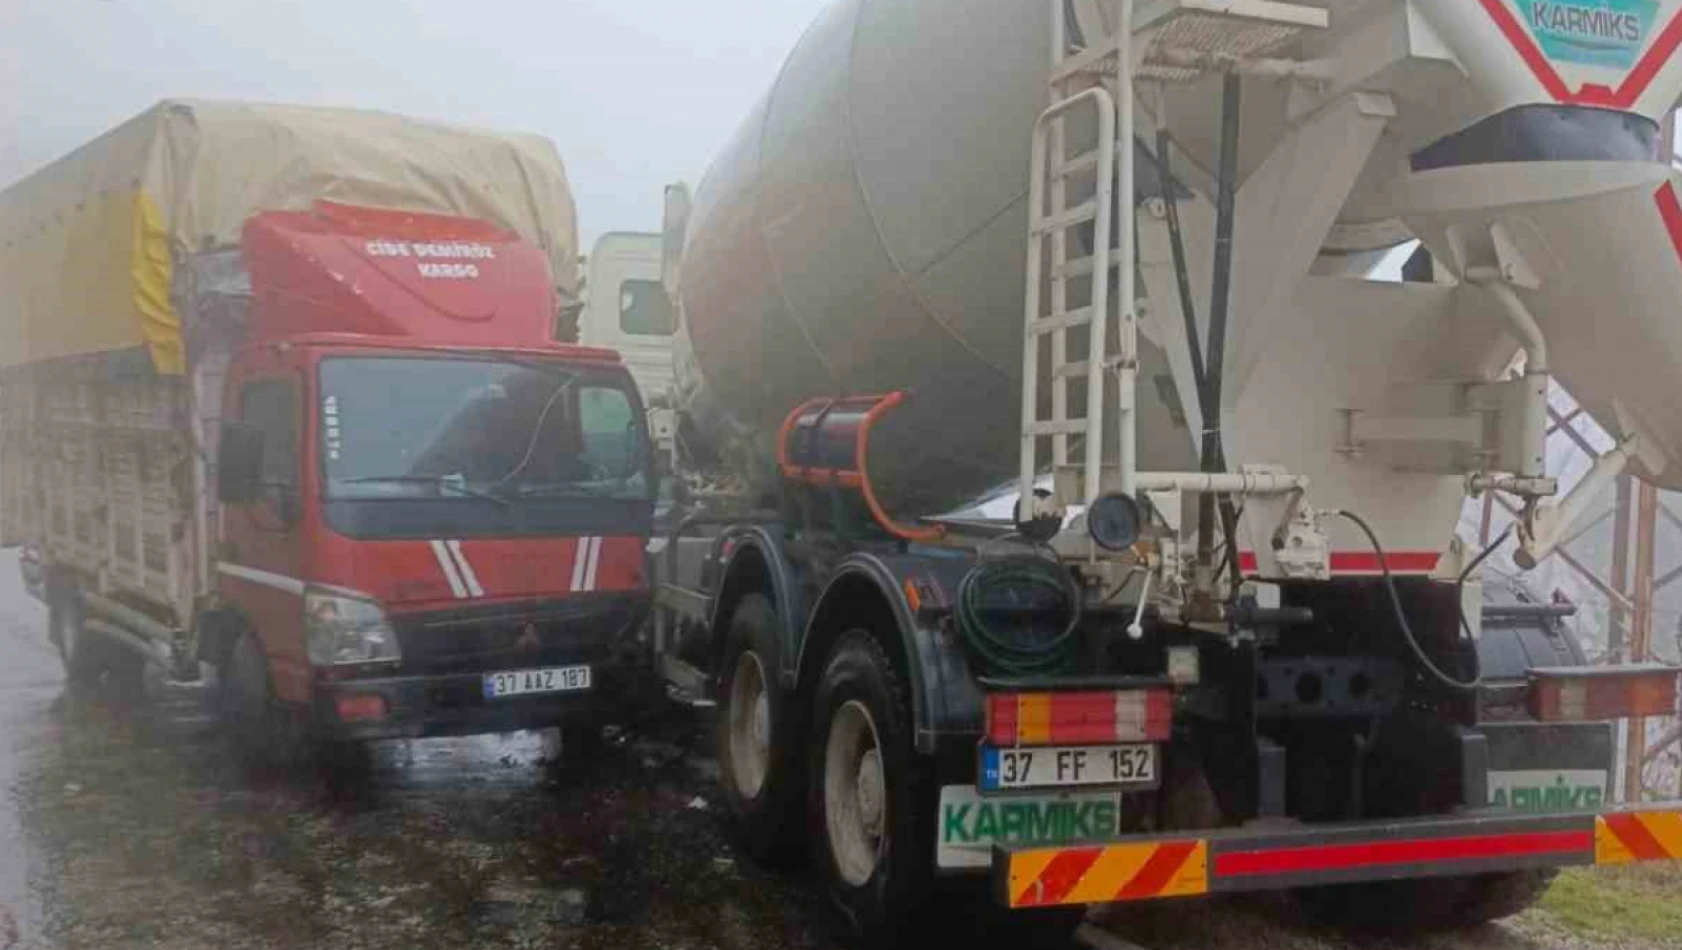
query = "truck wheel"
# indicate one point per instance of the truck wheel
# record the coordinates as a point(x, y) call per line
point(869, 801)
point(246, 704)
point(754, 735)
point(80, 653)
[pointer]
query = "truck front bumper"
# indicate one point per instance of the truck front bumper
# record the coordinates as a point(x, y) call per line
point(1274, 858)
point(454, 704)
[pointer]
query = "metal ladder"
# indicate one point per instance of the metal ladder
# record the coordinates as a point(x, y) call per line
point(1180, 40)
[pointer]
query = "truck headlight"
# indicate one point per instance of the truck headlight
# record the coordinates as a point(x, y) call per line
point(340, 627)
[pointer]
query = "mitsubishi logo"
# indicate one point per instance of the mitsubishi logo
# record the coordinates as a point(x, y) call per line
point(527, 641)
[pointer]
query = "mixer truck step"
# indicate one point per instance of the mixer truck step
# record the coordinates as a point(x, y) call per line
point(1079, 214)
point(1064, 427)
point(1077, 267)
point(1078, 317)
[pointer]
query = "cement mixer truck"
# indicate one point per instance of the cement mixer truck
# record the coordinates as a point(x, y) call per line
point(1212, 630)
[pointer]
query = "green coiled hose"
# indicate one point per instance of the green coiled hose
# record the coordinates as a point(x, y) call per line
point(1034, 589)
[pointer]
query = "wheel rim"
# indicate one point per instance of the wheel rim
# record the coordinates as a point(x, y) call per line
point(855, 793)
point(750, 725)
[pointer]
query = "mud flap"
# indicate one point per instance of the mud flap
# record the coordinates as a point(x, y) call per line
point(1549, 767)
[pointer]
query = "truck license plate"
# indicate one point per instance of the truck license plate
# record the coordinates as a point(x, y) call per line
point(557, 679)
point(1053, 766)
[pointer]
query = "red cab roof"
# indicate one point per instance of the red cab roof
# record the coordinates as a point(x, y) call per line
point(400, 278)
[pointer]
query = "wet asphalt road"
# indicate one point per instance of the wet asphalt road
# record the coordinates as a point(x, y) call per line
point(128, 824)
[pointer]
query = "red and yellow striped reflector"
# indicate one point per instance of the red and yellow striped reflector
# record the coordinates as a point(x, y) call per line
point(1234, 861)
point(1118, 872)
point(1134, 715)
point(1638, 836)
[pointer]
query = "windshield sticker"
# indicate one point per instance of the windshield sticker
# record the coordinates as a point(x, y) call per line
point(330, 426)
point(1606, 33)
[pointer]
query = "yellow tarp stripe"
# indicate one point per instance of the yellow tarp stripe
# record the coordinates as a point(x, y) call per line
point(152, 272)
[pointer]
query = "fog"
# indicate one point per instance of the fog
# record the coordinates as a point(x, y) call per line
point(635, 93)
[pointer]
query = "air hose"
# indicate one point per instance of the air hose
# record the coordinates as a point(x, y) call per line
point(1419, 653)
point(1009, 610)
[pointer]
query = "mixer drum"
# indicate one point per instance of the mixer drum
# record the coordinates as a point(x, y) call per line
point(863, 232)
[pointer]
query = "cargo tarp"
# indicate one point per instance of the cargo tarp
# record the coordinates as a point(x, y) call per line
point(88, 245)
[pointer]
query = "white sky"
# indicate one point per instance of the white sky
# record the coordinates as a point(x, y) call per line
point(636, 93)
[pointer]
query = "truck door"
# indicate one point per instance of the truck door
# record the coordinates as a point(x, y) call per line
point(627, 310)
point(262, 569)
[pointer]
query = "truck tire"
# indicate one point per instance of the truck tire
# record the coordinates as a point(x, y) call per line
point(81, 654)
point(754, 733)
point(870, 802)
point(245, 703)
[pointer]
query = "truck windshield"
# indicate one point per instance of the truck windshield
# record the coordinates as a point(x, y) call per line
point(478, 428)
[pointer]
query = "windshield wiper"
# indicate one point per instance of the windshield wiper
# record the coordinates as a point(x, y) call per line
point(442, 482)
point(618, 489)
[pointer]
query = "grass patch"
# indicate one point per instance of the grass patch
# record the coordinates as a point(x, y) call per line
point(1636, 903)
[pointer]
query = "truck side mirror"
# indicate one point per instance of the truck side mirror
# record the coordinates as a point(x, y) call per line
point(239, 464)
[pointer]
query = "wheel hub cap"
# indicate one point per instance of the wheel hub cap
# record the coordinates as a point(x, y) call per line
point(855, 794)
point(750, 726)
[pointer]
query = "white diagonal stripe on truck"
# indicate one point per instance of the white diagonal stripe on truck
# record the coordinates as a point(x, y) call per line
point(580, 553)
point(595, 561)
point(449, 568)
point(467, 574)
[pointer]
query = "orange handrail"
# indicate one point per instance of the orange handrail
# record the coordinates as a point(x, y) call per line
point(859, 479)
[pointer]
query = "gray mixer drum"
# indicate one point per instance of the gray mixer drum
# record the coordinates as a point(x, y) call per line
point(864, 231)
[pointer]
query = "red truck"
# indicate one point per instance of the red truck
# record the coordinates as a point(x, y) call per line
point(360, 480)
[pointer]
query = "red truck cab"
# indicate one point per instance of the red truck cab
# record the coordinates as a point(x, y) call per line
point(433, 517)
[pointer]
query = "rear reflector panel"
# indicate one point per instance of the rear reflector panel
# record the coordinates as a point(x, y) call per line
point(1595, 693)
point(1074, 718)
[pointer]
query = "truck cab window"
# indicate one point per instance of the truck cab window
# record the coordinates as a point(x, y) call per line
point(444, 428)
point(607, 423)
point(272, 406)
point(644, 309)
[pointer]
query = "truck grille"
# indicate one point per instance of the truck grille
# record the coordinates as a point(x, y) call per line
point(580, 629)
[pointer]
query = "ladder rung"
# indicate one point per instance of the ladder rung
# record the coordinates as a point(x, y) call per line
point(1071, 369)
point(1077, 267)
point(1065, 427)
point(1063, 321)
point(1084, 162)
point(1085, 211)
